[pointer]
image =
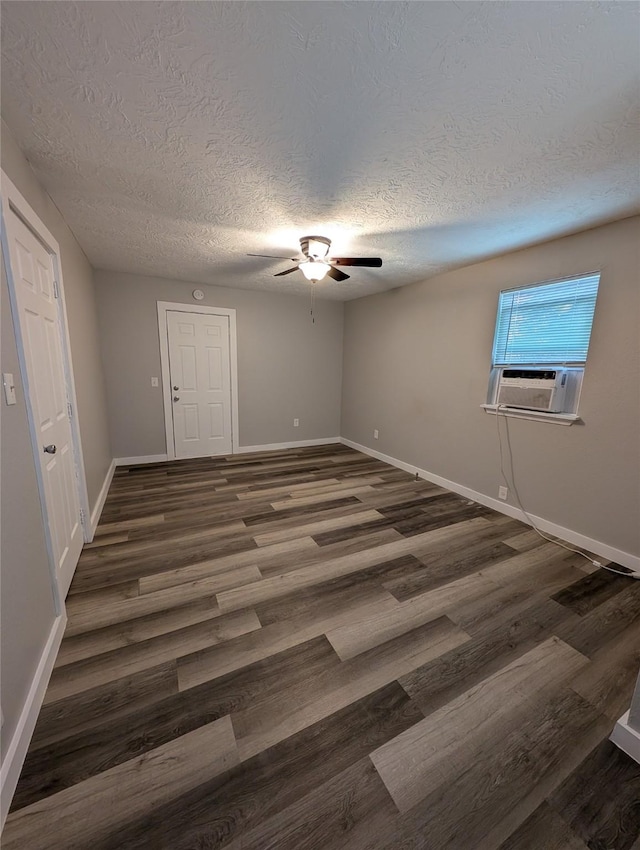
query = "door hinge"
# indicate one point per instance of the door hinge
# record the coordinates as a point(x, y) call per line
point(56, 291)
point(69, 409)
point(82, 516)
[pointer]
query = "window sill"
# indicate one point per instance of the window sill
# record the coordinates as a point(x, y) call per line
point(536, 415)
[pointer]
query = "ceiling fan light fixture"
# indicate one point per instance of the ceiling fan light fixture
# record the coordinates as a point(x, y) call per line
point(315, 247)
point(314, 270)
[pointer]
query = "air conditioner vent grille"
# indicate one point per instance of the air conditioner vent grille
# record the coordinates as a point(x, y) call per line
point(533, 389)
point(535, 398)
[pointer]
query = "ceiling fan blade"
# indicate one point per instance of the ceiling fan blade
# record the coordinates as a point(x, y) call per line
point(372, 262)
point(272, 257)
point(336, 274)
point(286, 271)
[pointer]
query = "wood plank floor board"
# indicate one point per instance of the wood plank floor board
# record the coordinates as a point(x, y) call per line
point(279, 553)
point(99, 669)
point(609, 681)
point(299, 510)
point(94, 576)
point(307, 488)
point(355, 641)
point(358, 637)
point(199, 667)
point(436, 575)
point(202, 529)
point(323, 498)
point(432, 502)
point(102, 597)
point(342, 593)
point(359, 543)
point(512, 773)
point(278, 524)
point(216, 813)
point(106, 528)
point(88, 618)
point(137, 548)
point(434, 751)
point(337, 601)
point(523, 626)
point(524, 569)
point(64, 763)
point(604, 623)
point(114, 700)
point(348, 532)
point(413, 521)
point(107, 540)
point(260, 727)
point(398, 493)
point(591, 591)
point(123, 792)
point(326, 817)
point(280, 585)
point(544, 828)
point(124, 632)
point(599, 819)
point(315, 528)
point(190, 509)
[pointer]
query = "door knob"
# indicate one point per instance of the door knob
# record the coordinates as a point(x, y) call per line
point(176, 388)
point(50, 450)
point(176, 398)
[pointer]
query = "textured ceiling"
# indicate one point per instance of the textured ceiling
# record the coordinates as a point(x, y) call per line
point(176, 137)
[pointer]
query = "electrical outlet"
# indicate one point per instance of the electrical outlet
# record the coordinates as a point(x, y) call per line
point(503, 492)
point(154, 382)
point(296, 423)
point(375, 434)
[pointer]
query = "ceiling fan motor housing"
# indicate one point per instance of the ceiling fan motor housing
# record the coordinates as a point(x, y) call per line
point(315, 247)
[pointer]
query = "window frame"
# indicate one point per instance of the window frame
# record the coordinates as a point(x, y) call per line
point(573, 367)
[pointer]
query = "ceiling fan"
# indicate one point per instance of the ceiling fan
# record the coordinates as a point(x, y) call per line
point(315, 263)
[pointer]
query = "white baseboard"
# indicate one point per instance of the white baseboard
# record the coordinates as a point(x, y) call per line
point(299, 444)
point(140, 459)
point(626, 738)
point(595, 546)
point(99, 505)
point(17, 750)
point(265, 447)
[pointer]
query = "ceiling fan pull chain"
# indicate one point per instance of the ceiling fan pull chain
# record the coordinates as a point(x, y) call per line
point(313, 318)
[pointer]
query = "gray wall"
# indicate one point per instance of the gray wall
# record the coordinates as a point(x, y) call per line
point(416, 366)
point(27, 606)
point(81, 315)
point(287, 367)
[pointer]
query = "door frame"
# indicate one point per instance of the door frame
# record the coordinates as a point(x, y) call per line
point(14, 203)
point(163, 308)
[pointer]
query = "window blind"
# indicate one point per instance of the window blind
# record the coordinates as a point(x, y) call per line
point(546, 323)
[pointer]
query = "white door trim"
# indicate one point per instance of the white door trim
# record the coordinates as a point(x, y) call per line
point(163, 308)
point(13, 202)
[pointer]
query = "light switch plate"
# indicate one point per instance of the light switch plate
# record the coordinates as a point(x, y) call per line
point(154, 382)
point(9, 388)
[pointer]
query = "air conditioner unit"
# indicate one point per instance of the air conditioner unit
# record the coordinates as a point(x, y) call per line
point(533, 389)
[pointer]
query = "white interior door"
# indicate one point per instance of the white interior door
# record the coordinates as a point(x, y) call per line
point(35, 297)
point(199, 370)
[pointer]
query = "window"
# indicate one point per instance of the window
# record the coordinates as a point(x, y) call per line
point(546, 324)
point(540, 348)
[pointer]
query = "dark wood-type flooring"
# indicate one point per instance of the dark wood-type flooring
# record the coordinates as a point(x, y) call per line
point(309, 650)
